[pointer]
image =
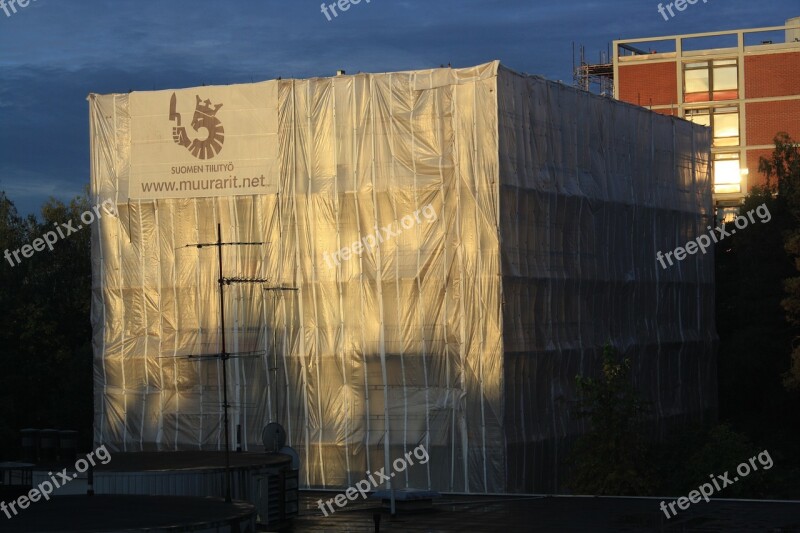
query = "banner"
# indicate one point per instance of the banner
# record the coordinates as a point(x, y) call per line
point(204, 141)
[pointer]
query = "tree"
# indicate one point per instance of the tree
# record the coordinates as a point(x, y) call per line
point(14, 230)
point(784, 168)
point(45, 330)
point(611, 457)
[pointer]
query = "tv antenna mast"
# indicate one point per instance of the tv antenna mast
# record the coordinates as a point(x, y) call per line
point(224, 355)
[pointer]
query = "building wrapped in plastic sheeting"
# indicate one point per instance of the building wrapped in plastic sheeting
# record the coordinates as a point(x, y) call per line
point(464, 241)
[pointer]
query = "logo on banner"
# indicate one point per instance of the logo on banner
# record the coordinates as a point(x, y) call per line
point(208, 143)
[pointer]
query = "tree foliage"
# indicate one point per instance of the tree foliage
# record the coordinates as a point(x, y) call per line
point(45, 331)
point(611, 457)
point(756, 297)
point(782, 171)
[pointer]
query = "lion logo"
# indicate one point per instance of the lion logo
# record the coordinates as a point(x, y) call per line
point(205, 117)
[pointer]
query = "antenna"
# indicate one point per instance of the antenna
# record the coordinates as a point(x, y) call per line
point(224, 355)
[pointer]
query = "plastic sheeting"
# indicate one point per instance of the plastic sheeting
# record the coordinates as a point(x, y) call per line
point(590, 190)
point(523, 219)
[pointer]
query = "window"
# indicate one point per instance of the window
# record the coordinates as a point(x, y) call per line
point(726, 76)
point(725, 124)
point(696, 78)
point(699, 116)
point(723, 121)
point(726, 214)
point(727, 173)
point(707, 81)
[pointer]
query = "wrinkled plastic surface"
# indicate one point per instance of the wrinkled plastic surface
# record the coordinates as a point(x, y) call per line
point(590, 190)
point(461, 332)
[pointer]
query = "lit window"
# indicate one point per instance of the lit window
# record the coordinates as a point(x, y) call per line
point(696, 81)
point(726, 78)
point(711, 80)
point(726, 126)
point(723, 121)
point(726, 214)
point(700, 116)
point(727, 174)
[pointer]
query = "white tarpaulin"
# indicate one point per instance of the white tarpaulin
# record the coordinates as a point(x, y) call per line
point(463, 241)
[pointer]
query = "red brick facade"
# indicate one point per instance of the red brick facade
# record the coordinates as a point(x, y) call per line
point(774, 75)
point(649, 84)
point(771, 75)
point(765, 119)
point(754, 177)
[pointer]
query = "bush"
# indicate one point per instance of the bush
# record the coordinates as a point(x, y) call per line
point(611, 459)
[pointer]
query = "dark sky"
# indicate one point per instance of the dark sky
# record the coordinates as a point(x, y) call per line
point(54, 52)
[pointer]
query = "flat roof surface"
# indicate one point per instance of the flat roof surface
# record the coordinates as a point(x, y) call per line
point(120, 513)
point(550, 513)
point(501, 514)
point(157, 461)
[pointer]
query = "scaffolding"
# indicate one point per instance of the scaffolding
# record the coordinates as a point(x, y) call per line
point(597, 78)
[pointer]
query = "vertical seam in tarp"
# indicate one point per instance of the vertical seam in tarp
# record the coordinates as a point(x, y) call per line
point(270, 321)
point(258, 232)
point(159, 361)
point(443, 313)
point(217, 218)
point(269, 335)
point(122, 317)
point(146, 326)
point(522, 113)
point(364, 356)
point(398, 286)
point(286, 338)
point(339, 343)
point(450, 392)
point(681, 330)
point(199, 342)
point(553, 101)
point(438, 116)
point(420, 314)
point(287, 345)
point(267, 332)
point(462, 399)
point(500, 418)
point(481, 282)
point(379, 285)
point(311, 227)
point(298, 266)
point(177, 331)
point(655, 233)
point(239, 407)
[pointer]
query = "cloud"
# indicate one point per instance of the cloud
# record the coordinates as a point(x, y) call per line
point(52, 54)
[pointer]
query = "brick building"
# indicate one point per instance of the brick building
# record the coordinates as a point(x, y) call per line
point(743, 84)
